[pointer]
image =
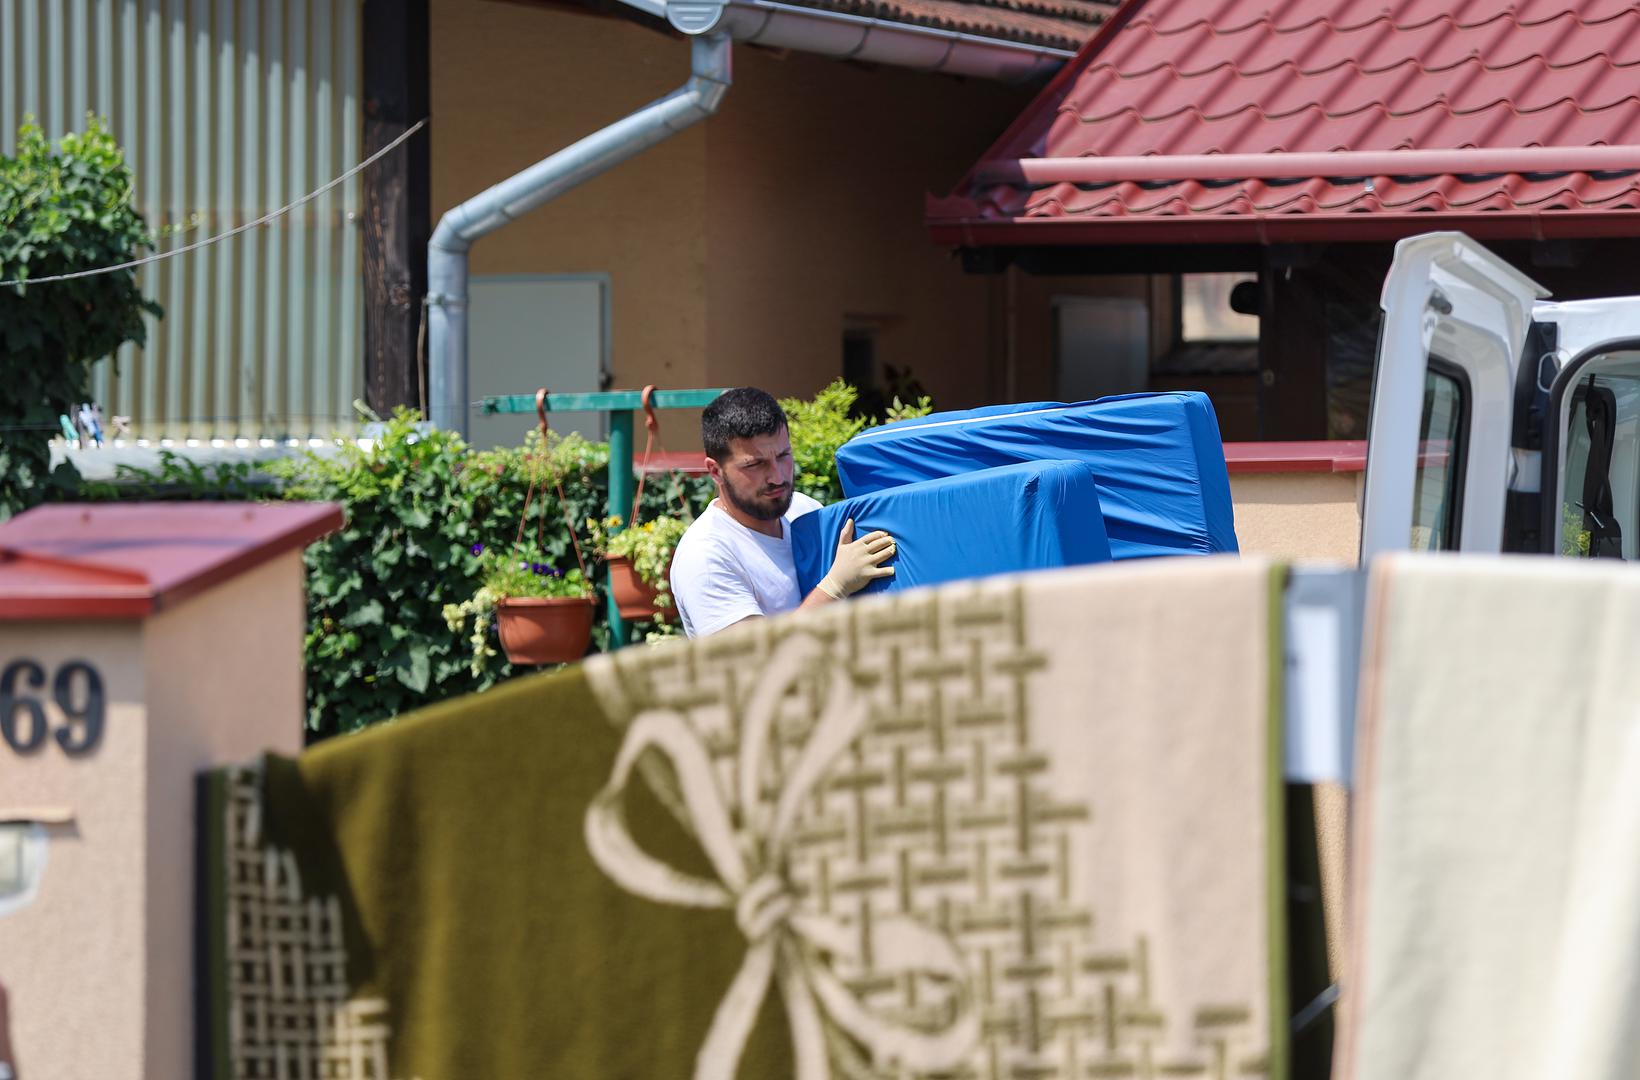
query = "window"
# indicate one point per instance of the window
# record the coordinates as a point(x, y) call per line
point(1437, 492)
point(1205, 313)
point(1600, 479)
point(860, 357)
point(1208, 334)
point(862, 371)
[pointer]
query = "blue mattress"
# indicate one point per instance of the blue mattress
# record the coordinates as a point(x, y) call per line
point(1158, 460)
point(994, 521)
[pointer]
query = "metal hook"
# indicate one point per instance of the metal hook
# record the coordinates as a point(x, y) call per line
point(650, 420)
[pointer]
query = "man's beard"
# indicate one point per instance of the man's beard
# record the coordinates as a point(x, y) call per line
point(761, 509)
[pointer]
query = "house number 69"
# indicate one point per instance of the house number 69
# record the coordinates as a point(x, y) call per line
point(77, 689)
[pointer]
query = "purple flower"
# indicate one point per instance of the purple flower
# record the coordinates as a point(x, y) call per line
point(477, 549)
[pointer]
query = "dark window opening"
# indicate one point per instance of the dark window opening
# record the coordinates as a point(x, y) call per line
point(1215, 326)
point(860, 370)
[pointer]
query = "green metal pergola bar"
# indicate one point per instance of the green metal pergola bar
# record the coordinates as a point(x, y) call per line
point(619, 404)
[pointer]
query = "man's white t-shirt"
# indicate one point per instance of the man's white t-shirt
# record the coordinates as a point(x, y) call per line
point(723, 572)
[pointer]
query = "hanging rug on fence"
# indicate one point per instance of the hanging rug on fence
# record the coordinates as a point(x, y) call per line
point(1496, 818)
point(986, 830)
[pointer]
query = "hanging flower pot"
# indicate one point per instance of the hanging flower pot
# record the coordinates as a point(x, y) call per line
point(543, 615)
point(544, 629)
point(635, 597)
point(640, 564)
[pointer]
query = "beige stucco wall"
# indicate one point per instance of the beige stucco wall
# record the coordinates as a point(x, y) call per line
point(100, 966)
point(817, 172)
point(739, 250)
point(73, 960)
point(1298, 516)
point(225, 684)
point(512, 84)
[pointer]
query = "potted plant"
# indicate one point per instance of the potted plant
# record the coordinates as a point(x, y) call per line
point(640, 560)
point(543, 614)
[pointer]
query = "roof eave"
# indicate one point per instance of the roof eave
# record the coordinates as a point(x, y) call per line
point(1283, 228)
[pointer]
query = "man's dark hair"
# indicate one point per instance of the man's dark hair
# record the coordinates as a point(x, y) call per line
point(743, 413)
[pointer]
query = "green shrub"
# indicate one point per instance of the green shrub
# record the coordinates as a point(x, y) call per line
point(376, 643)
point(519, 572)
point(817, 428)
point(61, 210)
point(420, 505)
point(1574, 537)
point(821, 425)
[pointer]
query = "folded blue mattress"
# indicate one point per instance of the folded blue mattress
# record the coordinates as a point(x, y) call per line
point(994, 521)
point(1158, 460)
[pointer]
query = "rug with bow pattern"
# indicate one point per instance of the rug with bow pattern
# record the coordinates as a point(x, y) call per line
point(1024, 828)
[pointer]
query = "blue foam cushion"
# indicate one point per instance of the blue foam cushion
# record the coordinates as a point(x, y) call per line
point(994, 521)
point(1158, 459)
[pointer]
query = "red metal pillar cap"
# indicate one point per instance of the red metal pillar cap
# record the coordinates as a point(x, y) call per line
point(130, 560)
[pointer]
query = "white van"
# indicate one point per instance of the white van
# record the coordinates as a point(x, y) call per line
point(1501, 421)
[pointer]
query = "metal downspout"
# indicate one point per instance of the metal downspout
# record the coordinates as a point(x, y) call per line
point(488, 211)
point(710, 25)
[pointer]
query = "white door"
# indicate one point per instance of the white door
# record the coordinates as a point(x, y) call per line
point(1591, 446)
point(1438, 461)
point(527, 331)
point(1101, 346)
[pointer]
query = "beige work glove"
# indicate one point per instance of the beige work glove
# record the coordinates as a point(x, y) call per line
point(858, 563)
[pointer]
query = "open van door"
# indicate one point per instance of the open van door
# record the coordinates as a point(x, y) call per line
point(1591, 441)
point(1438, 456)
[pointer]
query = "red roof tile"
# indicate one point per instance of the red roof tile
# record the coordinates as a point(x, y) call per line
point(1174, 78)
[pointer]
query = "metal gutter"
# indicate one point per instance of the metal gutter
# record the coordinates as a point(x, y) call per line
point(711, 25)
point(878, 41)
point(1328, 164)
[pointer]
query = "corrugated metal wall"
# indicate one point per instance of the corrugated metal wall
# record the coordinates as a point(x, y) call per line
point(226, 109)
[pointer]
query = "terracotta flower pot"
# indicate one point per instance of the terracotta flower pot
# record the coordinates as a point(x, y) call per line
point(544, 630)
point(634, 596)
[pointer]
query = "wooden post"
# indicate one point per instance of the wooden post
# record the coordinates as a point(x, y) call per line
point(1292, 352)
point(397, 218)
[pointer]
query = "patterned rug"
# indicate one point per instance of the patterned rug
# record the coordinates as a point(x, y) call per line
point(1497, 821)
point(1025, 828)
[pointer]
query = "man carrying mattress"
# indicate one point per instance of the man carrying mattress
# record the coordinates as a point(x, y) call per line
point(735, 562)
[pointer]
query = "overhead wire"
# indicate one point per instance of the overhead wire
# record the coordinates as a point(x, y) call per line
point(236, 230)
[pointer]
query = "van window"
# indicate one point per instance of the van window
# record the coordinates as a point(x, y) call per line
point(1600, 478)
point(1437, 492)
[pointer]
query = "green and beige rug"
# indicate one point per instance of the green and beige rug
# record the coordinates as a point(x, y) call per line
point(1024, 828)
